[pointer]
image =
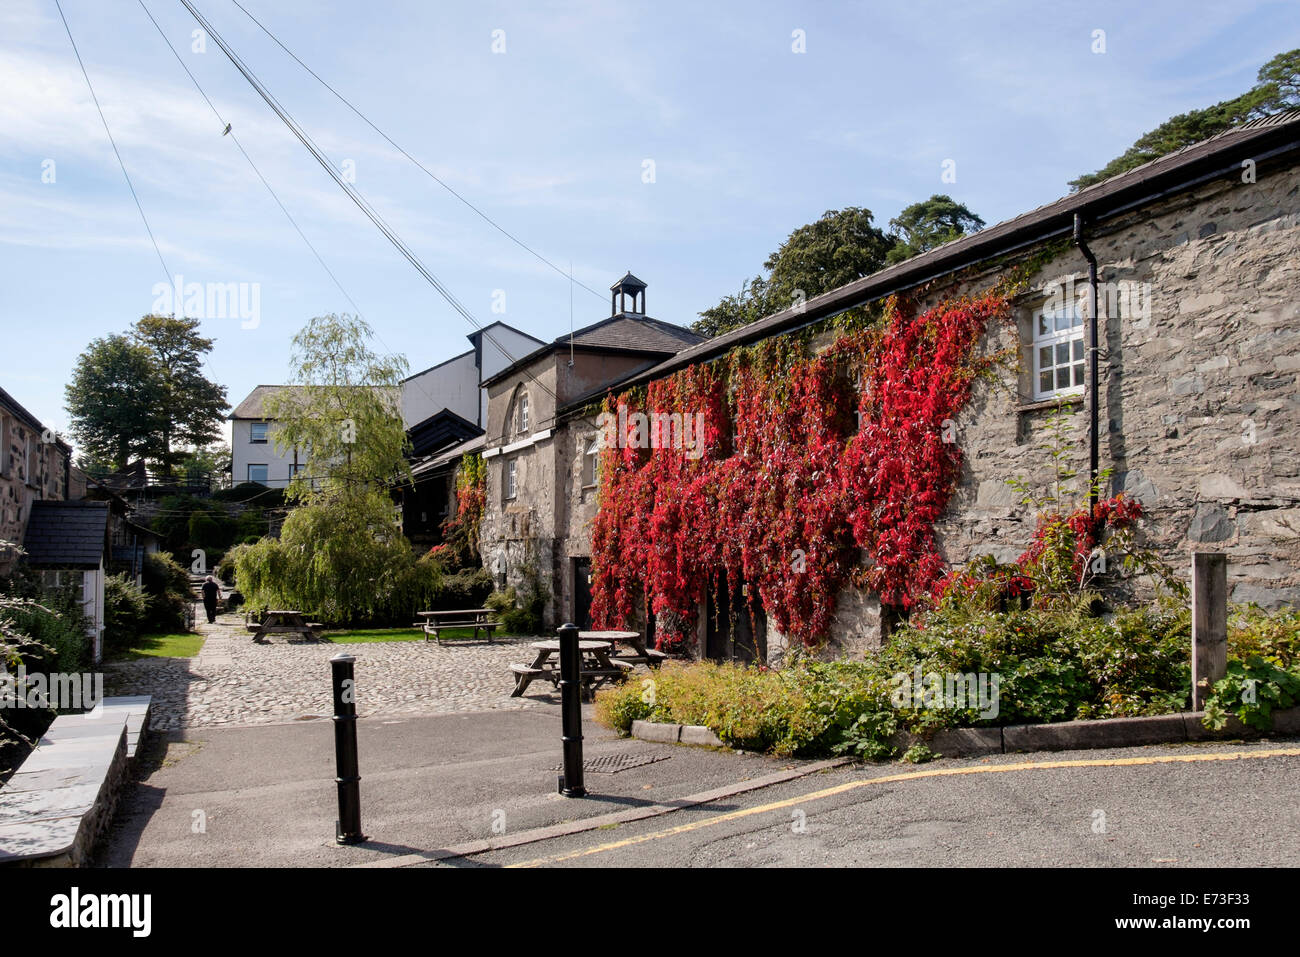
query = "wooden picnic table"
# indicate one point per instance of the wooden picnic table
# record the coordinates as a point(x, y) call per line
point(641, 654)
point(476, 618)
point(597, 669)
point(286, 621)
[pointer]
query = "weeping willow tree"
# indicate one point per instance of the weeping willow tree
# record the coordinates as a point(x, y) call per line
point(340, 555)
point(343, 413)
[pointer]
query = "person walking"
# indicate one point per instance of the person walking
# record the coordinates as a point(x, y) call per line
point(211, 592)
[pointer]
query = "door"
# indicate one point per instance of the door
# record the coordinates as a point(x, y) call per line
point(730, 634)
point(582, 593)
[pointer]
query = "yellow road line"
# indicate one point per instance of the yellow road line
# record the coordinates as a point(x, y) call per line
point(911, 776)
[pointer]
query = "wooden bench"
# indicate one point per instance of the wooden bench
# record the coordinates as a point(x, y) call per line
point(433, 629)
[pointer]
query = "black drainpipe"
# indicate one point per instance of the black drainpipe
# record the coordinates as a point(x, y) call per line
point(1094, 412)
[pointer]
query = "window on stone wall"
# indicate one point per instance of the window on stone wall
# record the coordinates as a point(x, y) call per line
point(523, 412)
point(591, 464)
point(510, 487)
point(1058, 350)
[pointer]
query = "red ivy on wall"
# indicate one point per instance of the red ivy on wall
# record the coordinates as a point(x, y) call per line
point(785, 491)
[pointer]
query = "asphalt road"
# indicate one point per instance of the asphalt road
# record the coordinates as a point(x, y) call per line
point(1214, 804)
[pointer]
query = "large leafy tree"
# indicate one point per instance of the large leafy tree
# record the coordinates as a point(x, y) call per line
point(340, 554)
point(843, 245)
point(143, 395)
point(342, 412)
point(193, 405)
point(1277, 88)
point(932, 222)
point(116, 401)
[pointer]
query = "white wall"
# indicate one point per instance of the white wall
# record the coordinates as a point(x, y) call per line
point(452, 385)
point(244, 452)
point(494, 360)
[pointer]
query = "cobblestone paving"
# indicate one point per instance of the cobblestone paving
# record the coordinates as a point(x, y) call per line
point(235, 681)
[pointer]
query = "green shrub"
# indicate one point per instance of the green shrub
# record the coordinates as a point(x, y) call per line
point(1273, 636)
point(126, 610)
point(520, 616)
point(168, 586)
point(1252, 690)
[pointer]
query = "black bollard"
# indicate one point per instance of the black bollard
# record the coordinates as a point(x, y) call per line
point(571, 711)
point(347, 830)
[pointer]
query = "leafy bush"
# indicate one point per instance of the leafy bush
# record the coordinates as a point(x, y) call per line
point(126, 610)
point(521, 614)
point(1274, 636)
point(1252, 690)
point(342, 561)
point(168, 586)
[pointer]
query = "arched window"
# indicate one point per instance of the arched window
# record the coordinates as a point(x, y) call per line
point(522, 412)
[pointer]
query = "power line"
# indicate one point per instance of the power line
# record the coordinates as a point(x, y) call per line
point(131, 186)
point(482, 215)
point(351, 191)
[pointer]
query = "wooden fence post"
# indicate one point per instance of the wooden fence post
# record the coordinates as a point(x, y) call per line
point(1209, 623)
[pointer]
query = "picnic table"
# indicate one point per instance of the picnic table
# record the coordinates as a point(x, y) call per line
point(285, 621)
point(476, 618)
point(640, 655)
point(597, 668)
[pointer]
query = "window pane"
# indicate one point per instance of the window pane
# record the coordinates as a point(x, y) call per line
point(1045, 381)
point(1077, 349)
point(1063, 377)
point(1062, 353)
point(1078, 374)
point(1063, 320)
point(1078, 316)
point(1044, 357)
point(1042, 324)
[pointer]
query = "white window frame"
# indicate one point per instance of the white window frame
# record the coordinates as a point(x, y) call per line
point(252, 435)
point(591, 464)
point(510, 485)
point(259, 465)
point(1046, 332)
point(523, 412)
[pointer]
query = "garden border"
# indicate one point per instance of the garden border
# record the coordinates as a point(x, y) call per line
point(1181, 728)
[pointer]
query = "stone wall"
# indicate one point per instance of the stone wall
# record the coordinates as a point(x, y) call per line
point(31, 469)
point(1200, 409)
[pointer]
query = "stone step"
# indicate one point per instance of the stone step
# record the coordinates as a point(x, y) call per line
point(61, 799)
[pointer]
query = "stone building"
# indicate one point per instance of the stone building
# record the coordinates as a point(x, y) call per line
point(1197, 406)
point(35, 465)
point(539, 446)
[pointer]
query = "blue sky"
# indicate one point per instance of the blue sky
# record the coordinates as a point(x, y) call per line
point(748, 138)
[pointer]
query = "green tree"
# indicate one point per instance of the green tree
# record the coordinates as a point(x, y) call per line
point(343, 411)
point(116, 401)
point(1277, 89)
point(930, 223)
point(193, 405)
point(841, 246)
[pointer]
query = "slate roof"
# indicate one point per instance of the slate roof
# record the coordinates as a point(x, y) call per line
point(618, 333)
point(1273, 139)
point(251, 407)
point(66, 534)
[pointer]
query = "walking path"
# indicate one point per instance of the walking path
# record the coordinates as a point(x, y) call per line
point(234, 681)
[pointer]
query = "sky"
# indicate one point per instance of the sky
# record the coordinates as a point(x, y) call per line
point(680, 141)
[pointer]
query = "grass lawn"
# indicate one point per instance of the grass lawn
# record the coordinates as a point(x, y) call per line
point(361, 635)
point(182, 644)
